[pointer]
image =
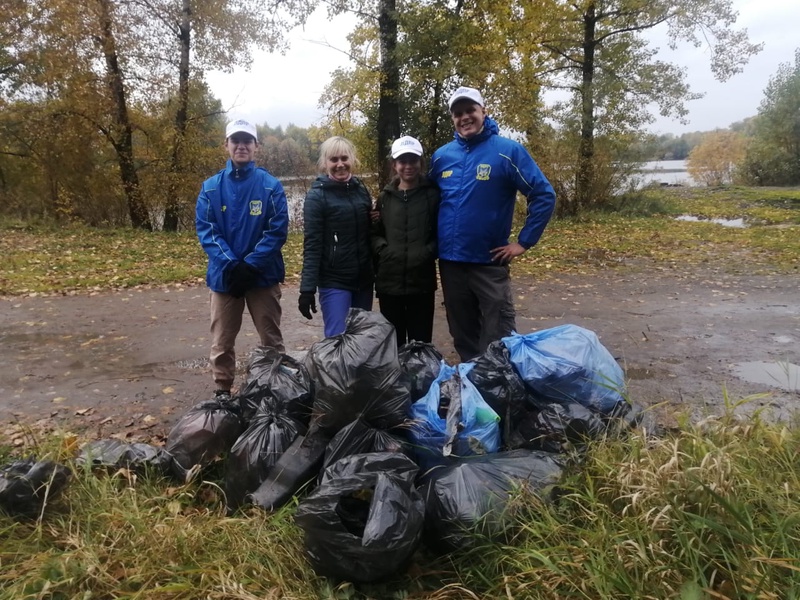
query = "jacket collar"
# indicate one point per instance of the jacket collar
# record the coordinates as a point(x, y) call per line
point(490, 128)
point(392, 188)
point(239, 173)
point(324, 181)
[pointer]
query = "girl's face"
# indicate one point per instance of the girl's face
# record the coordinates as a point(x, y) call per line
point(339, 167)
point(408, 167)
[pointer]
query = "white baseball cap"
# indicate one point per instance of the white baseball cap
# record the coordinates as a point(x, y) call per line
point(241, 126)
point(406, 145)
point(465, 93)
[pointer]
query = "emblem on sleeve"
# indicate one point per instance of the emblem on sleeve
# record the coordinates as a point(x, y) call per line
point(483, 172)
point(446, 174)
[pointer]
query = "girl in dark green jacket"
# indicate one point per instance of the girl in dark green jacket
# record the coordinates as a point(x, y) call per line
point(404, 245)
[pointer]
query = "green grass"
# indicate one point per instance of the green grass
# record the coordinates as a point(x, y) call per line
point(76, 259)
point(707, 511)
point(710, 510)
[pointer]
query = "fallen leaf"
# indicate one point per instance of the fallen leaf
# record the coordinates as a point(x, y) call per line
point(168, 390)
point(69, 443)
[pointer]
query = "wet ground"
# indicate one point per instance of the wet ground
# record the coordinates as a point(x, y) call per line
point(129, 363)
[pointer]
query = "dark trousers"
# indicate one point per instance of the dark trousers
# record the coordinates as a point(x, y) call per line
point(411, 315)
point(479, 305)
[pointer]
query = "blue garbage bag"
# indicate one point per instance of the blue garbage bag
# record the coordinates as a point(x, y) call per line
point(568, 364)
point(452, 419)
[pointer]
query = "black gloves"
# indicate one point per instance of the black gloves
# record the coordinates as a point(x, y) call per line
point(307, 304)
point(242, 278)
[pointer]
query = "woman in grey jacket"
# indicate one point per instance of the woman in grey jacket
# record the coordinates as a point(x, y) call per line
point(336, 243)
point(404, 245)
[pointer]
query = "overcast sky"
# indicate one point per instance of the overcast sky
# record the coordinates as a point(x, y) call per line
point(285, 89)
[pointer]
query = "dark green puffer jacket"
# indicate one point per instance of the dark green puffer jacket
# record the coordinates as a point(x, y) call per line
point(336, 232)
point(404, 240)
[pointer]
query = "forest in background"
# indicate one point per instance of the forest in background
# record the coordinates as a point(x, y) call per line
point(106, 118)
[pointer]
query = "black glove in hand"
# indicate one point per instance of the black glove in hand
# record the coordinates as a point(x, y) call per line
point(307, 304)
point(243, 277)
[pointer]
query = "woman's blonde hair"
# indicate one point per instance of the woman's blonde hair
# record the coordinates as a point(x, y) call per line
point(336, 146)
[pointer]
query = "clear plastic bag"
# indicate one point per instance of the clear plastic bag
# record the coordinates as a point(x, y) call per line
point(452, 419)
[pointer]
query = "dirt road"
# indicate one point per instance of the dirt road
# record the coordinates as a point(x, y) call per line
point(129, 363)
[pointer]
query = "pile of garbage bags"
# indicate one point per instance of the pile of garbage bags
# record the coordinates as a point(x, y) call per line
point(396, 447)
point(393, 447)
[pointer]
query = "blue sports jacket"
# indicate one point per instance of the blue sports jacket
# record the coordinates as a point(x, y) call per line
point(479, 179)
point(242, 215)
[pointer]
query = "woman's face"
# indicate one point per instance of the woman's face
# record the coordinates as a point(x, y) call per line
point(408, 167)
point(339, 167)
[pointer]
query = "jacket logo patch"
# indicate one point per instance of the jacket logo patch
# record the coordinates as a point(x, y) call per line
point(483, 172)
point(446, 174)
point(224, 207)
point(255, 207)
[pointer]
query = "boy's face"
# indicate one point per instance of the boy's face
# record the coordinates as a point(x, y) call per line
point(241, 148)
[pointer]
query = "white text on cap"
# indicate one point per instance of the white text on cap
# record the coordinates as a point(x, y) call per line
point(406, 145)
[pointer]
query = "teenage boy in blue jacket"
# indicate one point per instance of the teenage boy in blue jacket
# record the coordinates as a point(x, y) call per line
point(242, 222)
point(479, 174)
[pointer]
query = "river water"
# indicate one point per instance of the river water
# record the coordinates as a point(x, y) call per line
point(670, 172)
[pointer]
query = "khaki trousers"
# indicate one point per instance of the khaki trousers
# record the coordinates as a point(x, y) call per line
point(264, 305)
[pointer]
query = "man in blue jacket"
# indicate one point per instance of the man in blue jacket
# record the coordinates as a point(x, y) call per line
point(479, 174)
point(242, 222)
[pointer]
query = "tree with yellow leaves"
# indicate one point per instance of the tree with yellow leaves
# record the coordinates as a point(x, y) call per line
point(713, 162)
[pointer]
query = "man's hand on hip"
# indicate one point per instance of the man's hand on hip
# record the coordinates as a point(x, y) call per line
point(505, 254)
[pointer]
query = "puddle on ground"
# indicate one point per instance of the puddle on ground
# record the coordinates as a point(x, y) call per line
point(784, 375)
point(739, 223)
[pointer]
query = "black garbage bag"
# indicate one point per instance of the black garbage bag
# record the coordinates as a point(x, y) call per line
point(359, 437)
point(365, 519)
point(295, 468)
point(25, 485)
point(256, 452)
point(206, 431)
point(500, 385)
point(278, 380)
point(116, 454)
point(469, 498)
point(555, 426)
point(420, 363)
point(357, 374)
point(626, 416)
